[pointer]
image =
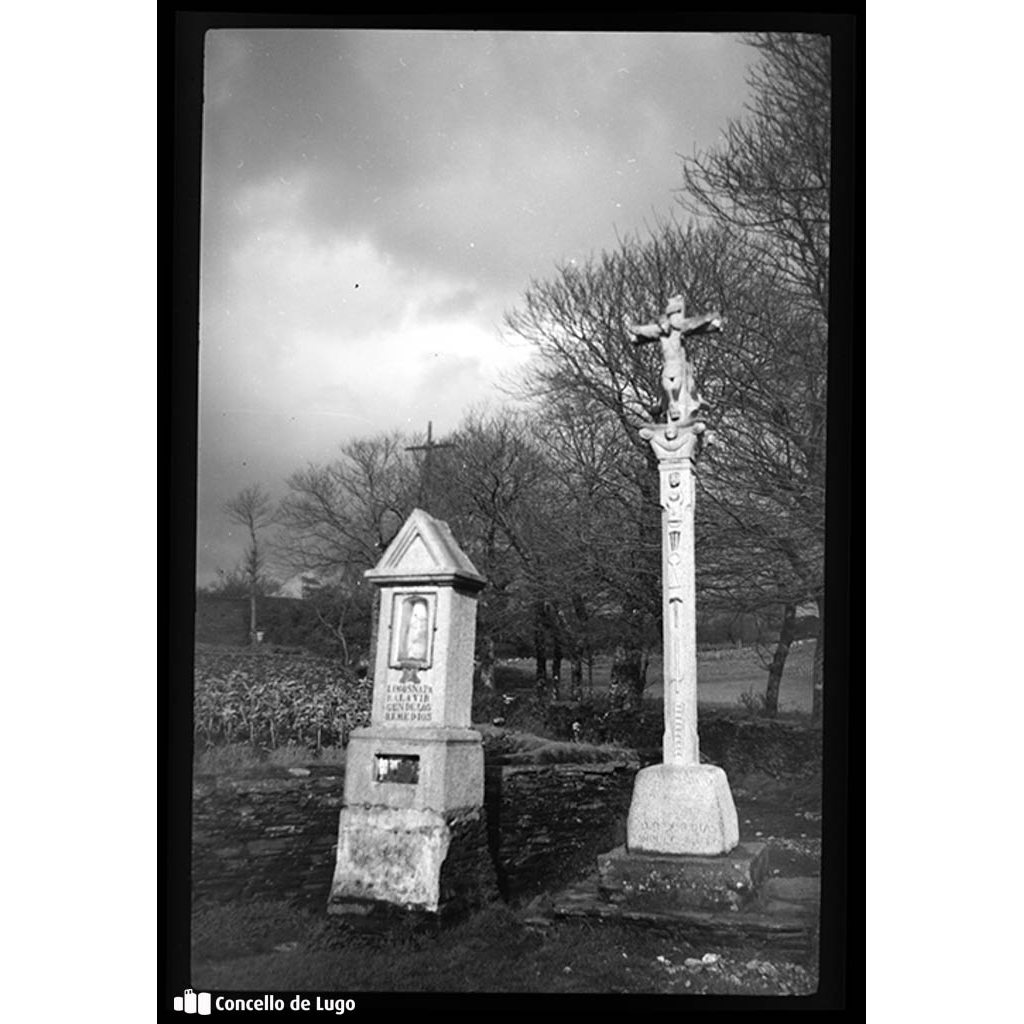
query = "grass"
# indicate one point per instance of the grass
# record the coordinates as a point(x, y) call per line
point(273, 947)
point(232, 757)
point(241, 757)
point(293, 754)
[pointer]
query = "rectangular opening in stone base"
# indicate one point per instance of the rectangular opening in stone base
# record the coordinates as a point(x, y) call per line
point(401, 768)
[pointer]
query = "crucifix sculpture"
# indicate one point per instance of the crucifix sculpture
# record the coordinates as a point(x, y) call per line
point(681, 401)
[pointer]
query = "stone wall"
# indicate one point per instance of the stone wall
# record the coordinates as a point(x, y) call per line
point(272, 834)
point(759, 744)
point(548, 823)
point(266, 835)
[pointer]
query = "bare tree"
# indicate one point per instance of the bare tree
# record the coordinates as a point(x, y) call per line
point(588, 379)
point(761, 514)
point(252, 509)
point(511, 504)
point(761, 256)
point(338, 518)
point(496, 503)
point(603, 542)
point(769, 181)
point(337, 514)
point(768, 188)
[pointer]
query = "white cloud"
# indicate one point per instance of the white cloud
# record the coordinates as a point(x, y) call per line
point(295, 359)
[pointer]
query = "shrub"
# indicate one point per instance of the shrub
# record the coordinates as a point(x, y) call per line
point(755, 704)
point(518, 748)
point(488, 705)
point(596, 719)
point(601, 720)
point(513, 677)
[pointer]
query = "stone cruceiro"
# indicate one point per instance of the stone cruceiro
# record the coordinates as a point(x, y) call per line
point(680, 806)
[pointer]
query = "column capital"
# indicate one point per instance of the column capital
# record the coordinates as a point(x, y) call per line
point(672, 441)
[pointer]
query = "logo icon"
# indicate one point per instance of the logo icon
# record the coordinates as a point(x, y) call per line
point(192, 1002)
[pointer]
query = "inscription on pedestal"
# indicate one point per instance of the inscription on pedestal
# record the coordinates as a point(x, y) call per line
point(408, 699)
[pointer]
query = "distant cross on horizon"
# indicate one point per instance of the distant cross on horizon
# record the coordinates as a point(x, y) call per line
point(426, 480)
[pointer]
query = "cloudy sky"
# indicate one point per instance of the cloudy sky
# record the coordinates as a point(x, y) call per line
point(374, 201)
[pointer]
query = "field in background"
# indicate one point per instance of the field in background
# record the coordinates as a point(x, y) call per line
point(723, 676)
point(272, 699)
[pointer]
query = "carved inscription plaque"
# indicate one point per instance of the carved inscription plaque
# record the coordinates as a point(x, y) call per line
point(408, 699)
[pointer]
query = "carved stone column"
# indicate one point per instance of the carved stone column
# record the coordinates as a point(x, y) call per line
point(680, 806)
point(675, 468)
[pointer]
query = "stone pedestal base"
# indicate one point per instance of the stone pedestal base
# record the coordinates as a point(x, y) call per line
point(411, 860)
point(668, 882)
point(682, 809)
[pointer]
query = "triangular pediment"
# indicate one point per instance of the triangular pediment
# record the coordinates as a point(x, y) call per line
point(414, 552)
point(425, 547)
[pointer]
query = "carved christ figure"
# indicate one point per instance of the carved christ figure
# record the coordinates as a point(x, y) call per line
point(681, 400)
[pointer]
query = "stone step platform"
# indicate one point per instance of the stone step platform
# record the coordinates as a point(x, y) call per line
point(781, 918)
point(790, 895)
point(661, 881)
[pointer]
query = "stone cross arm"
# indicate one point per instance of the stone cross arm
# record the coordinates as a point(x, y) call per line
point(706, 324)
point(641, 334)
